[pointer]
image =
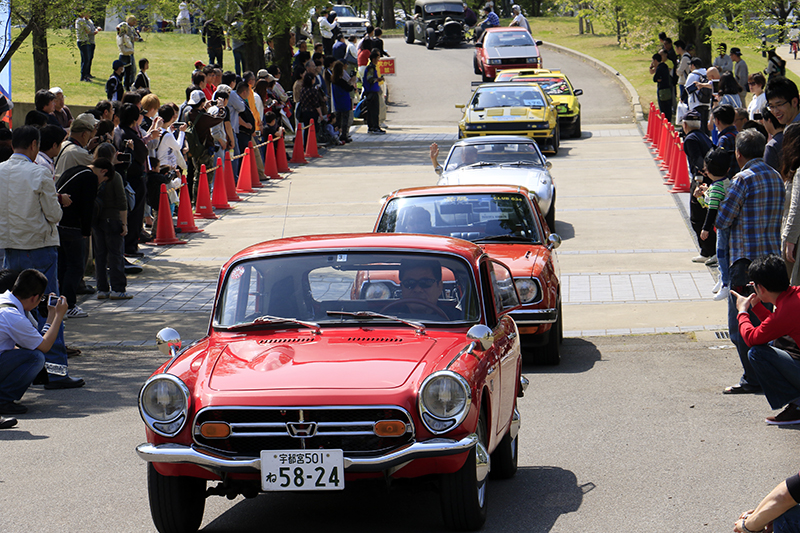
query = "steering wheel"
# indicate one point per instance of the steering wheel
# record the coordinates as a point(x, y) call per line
point(415, 301)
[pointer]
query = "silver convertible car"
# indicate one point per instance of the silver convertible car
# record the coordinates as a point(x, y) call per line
point(502, 160)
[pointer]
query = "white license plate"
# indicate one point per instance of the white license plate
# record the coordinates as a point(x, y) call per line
point(302, 470)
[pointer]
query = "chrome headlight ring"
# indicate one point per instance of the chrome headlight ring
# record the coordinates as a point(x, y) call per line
point(164, 404)
point(454, 396)
point(529, 290)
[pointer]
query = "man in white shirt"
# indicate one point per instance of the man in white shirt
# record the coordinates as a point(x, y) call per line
point(695, 77)
point(22, 347)
point(519, 18)
point(683, 69)
point(724, 63)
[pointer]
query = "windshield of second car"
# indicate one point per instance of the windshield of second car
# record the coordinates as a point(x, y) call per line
point(473, 217)
point(552, 86)
point(507, 97)
point(327, 288)
point(343, 11)
point(500, 39)
point(495, 153)
point(440, 7)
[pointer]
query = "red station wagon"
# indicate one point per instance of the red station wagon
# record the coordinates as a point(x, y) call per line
point(335, 358)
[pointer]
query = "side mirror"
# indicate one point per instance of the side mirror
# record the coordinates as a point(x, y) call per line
point(538, 43)
point(168, 341)
point(578, 92)
point(481, 334)
point(548, 165)
point(460, 106)
point(554, 241)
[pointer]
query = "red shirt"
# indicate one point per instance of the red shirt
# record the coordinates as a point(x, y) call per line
point(785, 320)
point(209, 91)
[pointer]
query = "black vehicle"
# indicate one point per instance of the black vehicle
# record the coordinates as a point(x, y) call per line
point(436, 23)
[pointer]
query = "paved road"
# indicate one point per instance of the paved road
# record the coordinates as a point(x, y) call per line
point(629, 433)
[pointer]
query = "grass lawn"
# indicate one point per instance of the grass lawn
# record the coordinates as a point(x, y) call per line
point(171, 56)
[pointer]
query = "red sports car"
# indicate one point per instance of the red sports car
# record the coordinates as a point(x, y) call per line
point(335, 358)
point(506, 222)
point(503, 48)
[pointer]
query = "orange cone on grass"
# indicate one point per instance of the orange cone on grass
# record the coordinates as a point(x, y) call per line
point(280, 150)
point(255, 182)
point(298, 152)
point(219, 198)
point(202, 208)
point(185, 217)
point(311, 145)
point(165, 231)
point(243, 185)
point(270, 164)
point(230, 184)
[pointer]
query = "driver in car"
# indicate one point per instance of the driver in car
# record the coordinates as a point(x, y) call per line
point(469, 156)
point(421, 280)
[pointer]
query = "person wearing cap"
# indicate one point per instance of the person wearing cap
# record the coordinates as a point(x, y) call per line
point(29, 214)
point(696, 145)
point(75, 149)
point(126, 36)
point(114, 84)
point(740, 72)
point(85, 31)
point(202, 124)
point(519, 18)
point(60, 110)
point(45, 103)
point(696, 75)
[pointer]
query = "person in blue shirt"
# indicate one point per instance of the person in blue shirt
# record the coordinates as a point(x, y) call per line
point(372, 90)
point(491, 20)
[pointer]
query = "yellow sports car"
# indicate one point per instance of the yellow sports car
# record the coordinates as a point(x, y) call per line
point(511, 109)
point(558, 87)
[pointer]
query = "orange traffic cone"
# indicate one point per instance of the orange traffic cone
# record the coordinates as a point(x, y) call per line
point(656, 131)
point(255, 182)
point(165, 232)
point(243, 185)
point(227, 174)
point(280, 151)
point(185, 218)
point(202, 208)
point(682, 183)
point(219, 199)
point(298, 157)
point(650, 122)
point(270, 164)
point(311, 145)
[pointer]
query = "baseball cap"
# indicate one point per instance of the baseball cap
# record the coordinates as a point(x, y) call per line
point(5, 104)
point(117, 64)
point(198, 64)
point(83, 122)
point(736, 51)
point(56, 90)
point(692, 115)
point(196, 97)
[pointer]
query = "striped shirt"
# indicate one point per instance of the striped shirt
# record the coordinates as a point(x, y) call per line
point(752, 210)
point(492, 20)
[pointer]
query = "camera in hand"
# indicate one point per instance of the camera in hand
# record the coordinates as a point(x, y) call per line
point(124, 158)
point(52, 300)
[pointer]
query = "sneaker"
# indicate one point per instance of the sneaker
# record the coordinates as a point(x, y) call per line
point(723, 294)
point(712, 260)
point(789, 416)
point(120, 295)
point(712, 264)
point(699, 259)
point(717, 287)
point(103, 295)
point(76, 312)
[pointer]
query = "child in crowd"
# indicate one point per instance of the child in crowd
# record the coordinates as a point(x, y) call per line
point(142, 81)
point(717, 163)
point(114, 87)
point(157, 176)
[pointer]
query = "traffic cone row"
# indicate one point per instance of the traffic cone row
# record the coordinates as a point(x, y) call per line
point(165, 231)
point(668, 150)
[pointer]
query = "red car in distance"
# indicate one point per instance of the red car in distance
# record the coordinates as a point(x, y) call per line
point(506, 222)
point(335, 358)
point(504, 48)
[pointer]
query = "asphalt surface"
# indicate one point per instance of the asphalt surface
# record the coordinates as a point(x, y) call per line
point(629, 433)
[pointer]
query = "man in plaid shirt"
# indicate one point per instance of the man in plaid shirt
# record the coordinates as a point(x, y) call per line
point(751, 212)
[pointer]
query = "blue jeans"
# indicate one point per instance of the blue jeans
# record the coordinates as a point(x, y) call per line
point(778, 373)
point(722, 256)
point(788, 522)
point(18, 368)
point(238, 60)
point(87, 54)
point(128, 75)
point(739, 280)
point(45, 260)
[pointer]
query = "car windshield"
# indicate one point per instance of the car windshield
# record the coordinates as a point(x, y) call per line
point(552, 86)
point(507, 97)
point(344, 11)
point(474, 217)
point(500, 39)
point(463, 155)
point(334, 288)
point(439, 7)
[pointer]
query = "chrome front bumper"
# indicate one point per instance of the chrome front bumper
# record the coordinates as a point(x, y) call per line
point(534, 317)
point(179, 453)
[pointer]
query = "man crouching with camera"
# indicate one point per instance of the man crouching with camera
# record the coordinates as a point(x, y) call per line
point(22, 347)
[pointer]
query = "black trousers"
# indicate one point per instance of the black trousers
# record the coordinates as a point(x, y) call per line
point(109, 262)
point(373, 111)
point(136, 215)
point(70, 263)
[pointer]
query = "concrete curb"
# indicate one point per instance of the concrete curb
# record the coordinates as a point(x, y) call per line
point(633, 95)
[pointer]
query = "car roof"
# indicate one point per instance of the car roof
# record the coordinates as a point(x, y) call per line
point(353, 242)
point(494, 139)
point(441, 190)
point(497, 29)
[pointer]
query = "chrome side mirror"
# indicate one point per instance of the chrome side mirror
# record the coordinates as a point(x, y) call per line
point(548, 165)
point(168, 341)
point(482, 335)
point(554, 241)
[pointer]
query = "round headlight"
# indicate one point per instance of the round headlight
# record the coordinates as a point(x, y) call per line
point(377, 291)
point(163, 403)
point(528, 290)
point(444, 398)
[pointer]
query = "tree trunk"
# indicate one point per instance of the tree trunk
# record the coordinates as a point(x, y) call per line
point(388, 15)
point(41, 65)
point(253, 49)
point(580, 25)
point(283, 58)
point(695, 30)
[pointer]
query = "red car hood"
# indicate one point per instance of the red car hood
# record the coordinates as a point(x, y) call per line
point(356, 359)
point(520, 258)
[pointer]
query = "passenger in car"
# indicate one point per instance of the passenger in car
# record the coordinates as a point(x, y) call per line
point(414, 219)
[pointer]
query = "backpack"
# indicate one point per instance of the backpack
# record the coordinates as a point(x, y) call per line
point(704, 94)
point(112, 86)
point(196, 148)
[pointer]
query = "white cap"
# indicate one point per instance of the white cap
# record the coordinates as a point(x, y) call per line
point(56, 90)
point(196, 97)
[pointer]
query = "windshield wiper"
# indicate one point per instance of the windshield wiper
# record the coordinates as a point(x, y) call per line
point(369, 314)
point(480, 164)
point(268, 319)
point(521, 162)
point(501, 238)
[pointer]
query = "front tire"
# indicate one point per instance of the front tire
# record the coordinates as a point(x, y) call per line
point(463, 495)
point(550, 217)
point(505, 457)
point(430, 38)
point(551, 353)
point(555, 141)
point(476, 65)
point(409, 31)
point(576, 130)
point(176, 503)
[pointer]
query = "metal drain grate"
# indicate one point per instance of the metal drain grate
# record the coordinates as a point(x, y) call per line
point(722, 335)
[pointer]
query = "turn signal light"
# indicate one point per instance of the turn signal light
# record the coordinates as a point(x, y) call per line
point(215, 430)
point(389, 428)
